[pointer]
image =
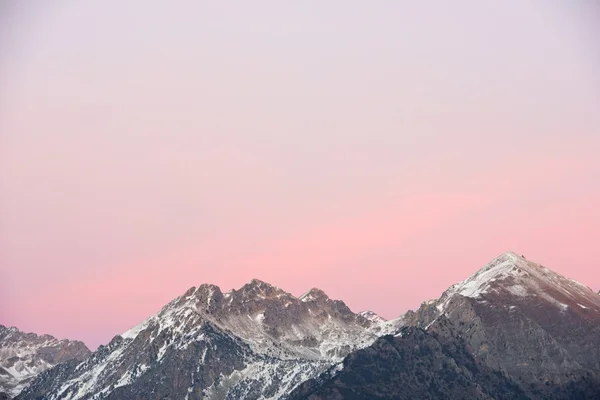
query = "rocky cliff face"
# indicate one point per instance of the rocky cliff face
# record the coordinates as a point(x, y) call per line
point(537, 331)
point(523, 319)
point(25, 355)
point(257, 342)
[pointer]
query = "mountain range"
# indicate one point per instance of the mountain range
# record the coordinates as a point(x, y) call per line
point(513, 330)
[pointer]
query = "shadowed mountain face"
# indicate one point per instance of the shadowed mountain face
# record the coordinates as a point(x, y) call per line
point(537, 329)
point(433, 364)
point(255, 342)
point(412, 365)
point(24, 355)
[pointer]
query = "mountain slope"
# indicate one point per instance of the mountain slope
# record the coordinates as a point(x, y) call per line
point(412, 365)
point(257, 342)
point(521, 318)
point(25, 355)
point(515, 324)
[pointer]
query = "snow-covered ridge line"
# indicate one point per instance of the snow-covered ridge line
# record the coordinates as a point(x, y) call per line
point(513, 274)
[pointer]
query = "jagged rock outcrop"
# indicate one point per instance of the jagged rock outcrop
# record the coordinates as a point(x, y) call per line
point(25, 355)
point(258, 342)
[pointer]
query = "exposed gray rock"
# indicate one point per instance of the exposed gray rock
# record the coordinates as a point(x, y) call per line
point(257, 342)
point(520, 318)
point(413, 365)
point(537, 331)
point(25, 355)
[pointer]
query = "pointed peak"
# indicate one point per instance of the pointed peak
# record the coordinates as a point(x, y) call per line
point(208, 287)
point(208, 295)
point(508, 264)
point(257, 283)
point(506, 260)
point(510, 253)
point(258, 289)
point(205, 291)
point(509, 257)
point(371, 316)
point(512, 276)
point(313, 294)
point(9, 329)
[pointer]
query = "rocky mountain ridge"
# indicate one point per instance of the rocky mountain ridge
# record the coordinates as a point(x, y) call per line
point(257, 342)
point(536, 328)
point(514, 329)
point(25, 355)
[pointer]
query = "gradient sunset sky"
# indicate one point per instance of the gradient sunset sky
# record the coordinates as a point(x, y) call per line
point(380, 151)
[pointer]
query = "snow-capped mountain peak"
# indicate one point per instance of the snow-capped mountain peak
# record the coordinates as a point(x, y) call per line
point(513, 276)
point(313, 294)
point(371, 316)
point(503, 267)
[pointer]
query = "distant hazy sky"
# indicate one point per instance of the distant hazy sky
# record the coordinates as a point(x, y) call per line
point(381, 151)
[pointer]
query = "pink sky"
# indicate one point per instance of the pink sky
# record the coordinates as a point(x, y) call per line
point(378, 152)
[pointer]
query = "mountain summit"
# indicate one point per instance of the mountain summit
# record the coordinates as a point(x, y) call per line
point(524, 319)
point(513, 276)
point(254, 342)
